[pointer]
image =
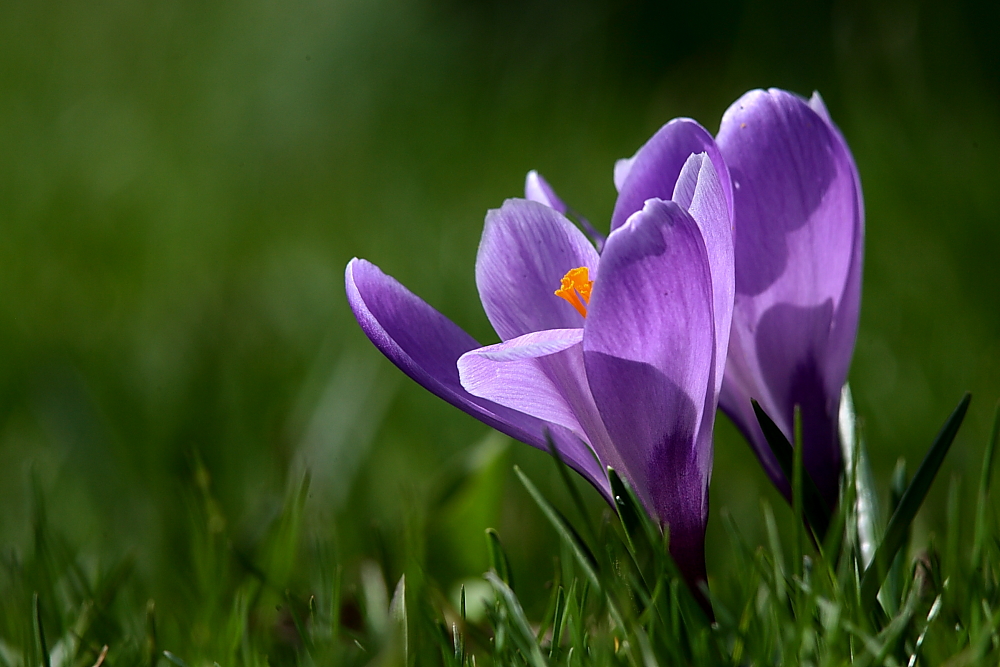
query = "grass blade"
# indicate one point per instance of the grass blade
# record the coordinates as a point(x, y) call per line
point(40, 631)
point(564, 473)
point(523, 637)
point(498, 557)
point(868, 526)
point(632, 515)
point(816, 512)
point(558, 618)
point(583, 554)
point(911, 501)
point(797, 506)
point(984, 490)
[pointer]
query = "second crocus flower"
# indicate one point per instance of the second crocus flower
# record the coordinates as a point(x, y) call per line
point(799, 235)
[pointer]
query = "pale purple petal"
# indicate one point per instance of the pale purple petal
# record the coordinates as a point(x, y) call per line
point(525, 251)
point(649, 348)
point(537, 189)
point(541, 374)
point(817, 104)
point(798, 230)
point(795, 198)
point(845, 324)
point(699, 190)
point(622, 169)
point(509, 374)
point(653, 171)
point(426, 345)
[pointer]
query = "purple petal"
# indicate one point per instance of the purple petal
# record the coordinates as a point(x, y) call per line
point(538, 189)
point(622, 169)
point(525, 251)
point(649, 348)
point(799, 233)
point(796, 216)
point(653, 171)
point(817, 104)
point(509, 374)
point(699, 190)
point(426, 345)
point(845, 324)
point(541, 374)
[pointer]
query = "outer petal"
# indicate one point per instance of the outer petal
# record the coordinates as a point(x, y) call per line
point(798, 229)
point(426, 346)
point(509, 374)
point(649, 348)
point(541, 374)
point(525, 251)
point(538, 189)
point(699, 190)
point(654, 169)
point(845, 325)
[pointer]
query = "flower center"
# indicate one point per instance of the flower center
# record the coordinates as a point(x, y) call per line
point(575, 288)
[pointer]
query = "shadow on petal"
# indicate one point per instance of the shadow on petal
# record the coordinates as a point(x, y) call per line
point(655, 426)
point(791, 344)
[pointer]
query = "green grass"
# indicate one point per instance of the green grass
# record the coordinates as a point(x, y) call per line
point(181, 186)
point(613, 595)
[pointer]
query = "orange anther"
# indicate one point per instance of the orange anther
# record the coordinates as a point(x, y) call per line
point(575, 288)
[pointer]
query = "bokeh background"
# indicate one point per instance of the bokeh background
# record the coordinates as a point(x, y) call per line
point(182, 184)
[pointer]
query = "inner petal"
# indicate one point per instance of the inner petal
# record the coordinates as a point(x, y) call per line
point(525, 251)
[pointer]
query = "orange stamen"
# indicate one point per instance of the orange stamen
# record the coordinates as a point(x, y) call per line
point(575, 288)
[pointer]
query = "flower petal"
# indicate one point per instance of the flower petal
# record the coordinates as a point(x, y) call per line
point(649, 348)
point(514, 374)
point(622, 169)
point(845, 323)
point(426, 345)
point(538, 189)
point(653, 171)
point(799, 235)
point(699, 190)
point(541, 374)
point(797, 215)
point(525, 251)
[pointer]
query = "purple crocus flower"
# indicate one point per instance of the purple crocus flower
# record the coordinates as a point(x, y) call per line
point(799, 232)
point(617, 356)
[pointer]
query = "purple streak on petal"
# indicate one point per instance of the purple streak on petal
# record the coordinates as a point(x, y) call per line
point(699, 190)
point(799, 236)
point(538, 189)
point(654, 169)
point(426, 345)
point(649, 348)
point(525, 251)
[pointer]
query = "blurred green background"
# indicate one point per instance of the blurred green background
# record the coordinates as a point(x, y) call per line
point(182, 184)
